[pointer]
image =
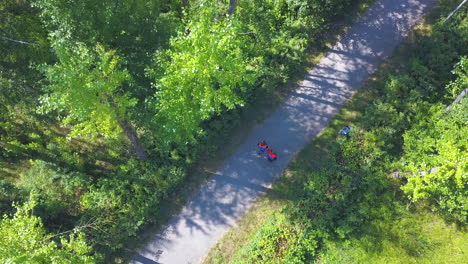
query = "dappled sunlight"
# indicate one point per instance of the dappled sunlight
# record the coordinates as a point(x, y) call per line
point(305, 113)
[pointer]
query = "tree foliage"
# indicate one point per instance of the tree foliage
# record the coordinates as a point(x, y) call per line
point(23, 43)
point(121, 204)
point(203, 73)
point(23, 239)
point(136, 28)
point(436, 153)
point(58, 191)
point(85, 85)
point(279, 242)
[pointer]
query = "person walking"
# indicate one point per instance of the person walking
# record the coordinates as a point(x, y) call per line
point(262, 146)
point(271, 155)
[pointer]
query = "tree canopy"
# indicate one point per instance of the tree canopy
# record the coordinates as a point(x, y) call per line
point(23, 239)
point(85, 84)
point(203, 73)
point(436, 154)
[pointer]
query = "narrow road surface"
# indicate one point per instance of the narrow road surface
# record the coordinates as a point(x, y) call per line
point(214, 209)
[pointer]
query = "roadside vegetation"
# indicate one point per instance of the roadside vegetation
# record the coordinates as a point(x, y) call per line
point(396, 190)
point(108, 107)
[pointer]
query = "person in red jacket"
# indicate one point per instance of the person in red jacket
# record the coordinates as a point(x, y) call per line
point(262, 146)
point(271, 155)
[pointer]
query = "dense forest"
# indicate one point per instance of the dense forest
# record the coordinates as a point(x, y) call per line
point(107, 106)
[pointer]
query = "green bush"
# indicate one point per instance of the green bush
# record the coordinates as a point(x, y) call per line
point(59, 191)
point(436, 156)
point(279, 242)
point(119, 205)
point(23, 239)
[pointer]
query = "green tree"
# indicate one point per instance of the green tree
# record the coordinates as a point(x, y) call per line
point(136, 28)
point(86, 84)
point(204, 73)
point(436, 155)
point(23, 41)
point(23, 239)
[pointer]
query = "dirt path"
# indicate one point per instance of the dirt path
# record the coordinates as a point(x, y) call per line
point(307, 110)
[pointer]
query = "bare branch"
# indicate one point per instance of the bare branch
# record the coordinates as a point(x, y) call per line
point(89, 224)
point(19, 41)
point(246, 33)
point(456, 9)
point(457, 100)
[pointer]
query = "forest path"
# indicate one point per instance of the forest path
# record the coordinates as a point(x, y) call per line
point(214, 209)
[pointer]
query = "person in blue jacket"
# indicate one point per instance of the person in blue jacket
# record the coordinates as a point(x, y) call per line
point(345, 131)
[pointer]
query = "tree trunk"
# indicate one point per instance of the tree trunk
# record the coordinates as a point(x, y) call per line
point(134, 140)
point(458, 99)
point(130, 132)
point(232, 7)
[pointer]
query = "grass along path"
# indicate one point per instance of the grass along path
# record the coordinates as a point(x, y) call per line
point(416, 236)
